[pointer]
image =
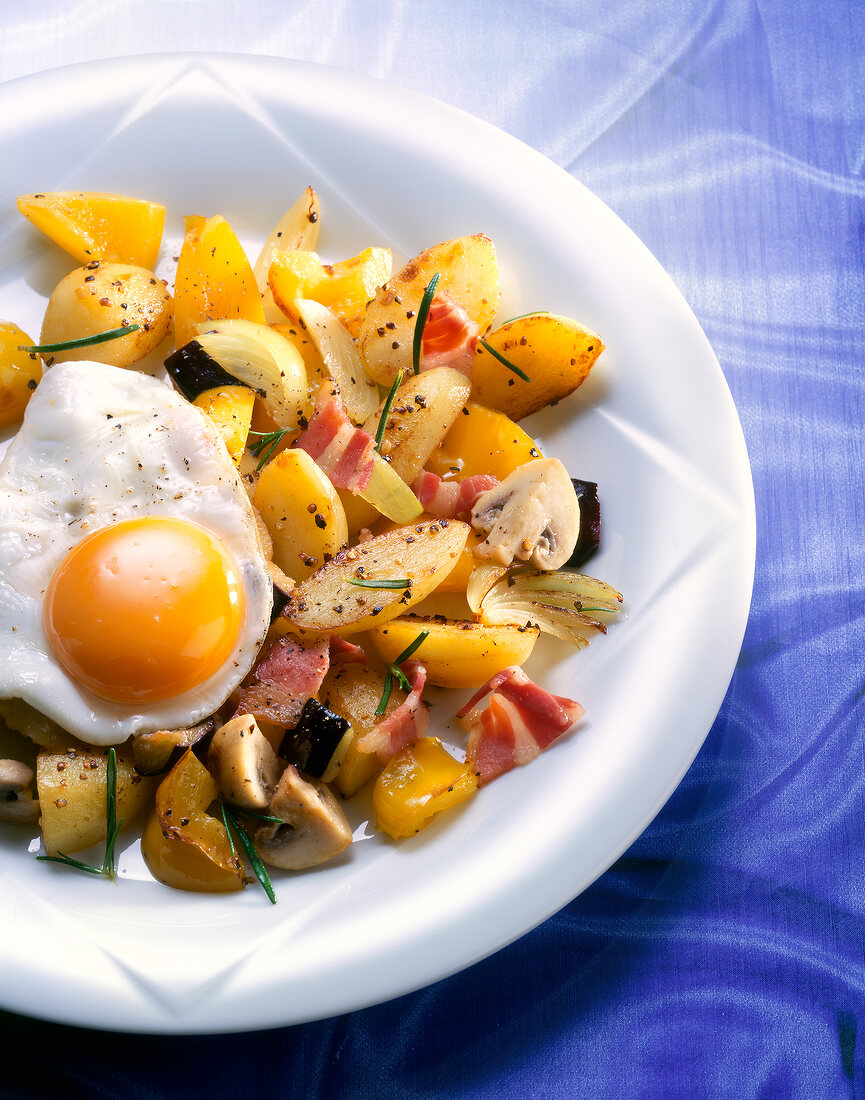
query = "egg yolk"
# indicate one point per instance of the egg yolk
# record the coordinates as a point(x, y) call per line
point(144, 610)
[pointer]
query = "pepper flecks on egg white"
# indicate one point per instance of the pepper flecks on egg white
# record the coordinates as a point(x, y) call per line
point(99, 447)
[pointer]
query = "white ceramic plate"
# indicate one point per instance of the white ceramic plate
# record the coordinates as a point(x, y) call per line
point(655, 426)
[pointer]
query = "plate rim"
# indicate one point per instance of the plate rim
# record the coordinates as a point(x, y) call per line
point(432, 971)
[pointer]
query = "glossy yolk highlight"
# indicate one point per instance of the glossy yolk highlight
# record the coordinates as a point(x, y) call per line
point(145, 610)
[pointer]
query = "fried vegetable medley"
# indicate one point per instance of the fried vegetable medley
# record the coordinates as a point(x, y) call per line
point(226, 591)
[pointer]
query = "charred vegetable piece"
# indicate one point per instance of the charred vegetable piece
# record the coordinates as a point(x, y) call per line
point(193, 371)
point(156, 752)
point(590, 523)
point(318, 742)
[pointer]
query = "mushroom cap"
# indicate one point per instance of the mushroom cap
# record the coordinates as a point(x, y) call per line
point(17, 803)
point(315, 830)
point(533, 515)
point(243, 763)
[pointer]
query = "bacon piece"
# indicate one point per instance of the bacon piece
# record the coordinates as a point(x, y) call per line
point(451, 499)
point(512, 719)
point(345, 653)
point(286, 676)
point(344, 452)
point(450, 336)
point(408, 722)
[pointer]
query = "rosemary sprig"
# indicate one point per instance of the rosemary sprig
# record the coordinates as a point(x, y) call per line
point(394, 672)
point(520, 316)
point(385, 413)
point(257, 815)
point(268, 443)
point(511, 366)
point(81, 342)
point(225, 822)
point(384, 582)
point(112, 829)
point(423, 311)
point(258, 868)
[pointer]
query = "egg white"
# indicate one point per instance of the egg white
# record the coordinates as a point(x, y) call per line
point(100, 445)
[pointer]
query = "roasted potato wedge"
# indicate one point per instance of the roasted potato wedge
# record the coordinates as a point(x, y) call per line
point(456, 654)
point(302, 513)
point(72, 795)
point(341, 597)
point(468, 271)
point(555, 352)
point(423, 410)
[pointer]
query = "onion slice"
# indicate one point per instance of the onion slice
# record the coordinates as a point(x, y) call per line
point(264, 360)
point(341, 358)
point(387, 492)
point(571, 606)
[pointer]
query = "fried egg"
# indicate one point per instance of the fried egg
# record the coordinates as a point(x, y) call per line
point(134, 594)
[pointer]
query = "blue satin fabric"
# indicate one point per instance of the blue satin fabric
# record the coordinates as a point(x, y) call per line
point(722, 956)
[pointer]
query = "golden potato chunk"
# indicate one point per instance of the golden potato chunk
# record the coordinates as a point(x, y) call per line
point(456, 654)
point(555, 352)
point(105, 296)
point(72, 795)
point(302, 513)
point(467, 270)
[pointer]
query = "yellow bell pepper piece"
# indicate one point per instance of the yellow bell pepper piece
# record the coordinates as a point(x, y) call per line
point(214, 279)
point(98, 226)
point(344, 287)
point(422, 780)
point(230, 409)
point(482, 441)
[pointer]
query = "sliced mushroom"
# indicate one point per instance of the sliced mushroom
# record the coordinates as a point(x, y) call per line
point(533, 515)
point(17, 803)
point(315, 830)
point(157, 751)
point(243, 763)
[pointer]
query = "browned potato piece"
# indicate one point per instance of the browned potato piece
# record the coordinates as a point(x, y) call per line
point(555, 352)
point(423, 411)
point(332, 600)
point(467, 270)
point(72, 794)
point(457, 654)
point(103, 296)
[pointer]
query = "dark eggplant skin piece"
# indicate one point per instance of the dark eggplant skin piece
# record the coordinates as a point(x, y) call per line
point(589, 538)
point(193, 371)
point(314, 740)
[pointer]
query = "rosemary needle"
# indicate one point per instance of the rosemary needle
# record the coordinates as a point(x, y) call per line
point(385, 413)
point(81, 342)
point(511, 366)
point(394, 672)
point(112, 829)
point(384, 582)
point(252, 855)
point(423, 311)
